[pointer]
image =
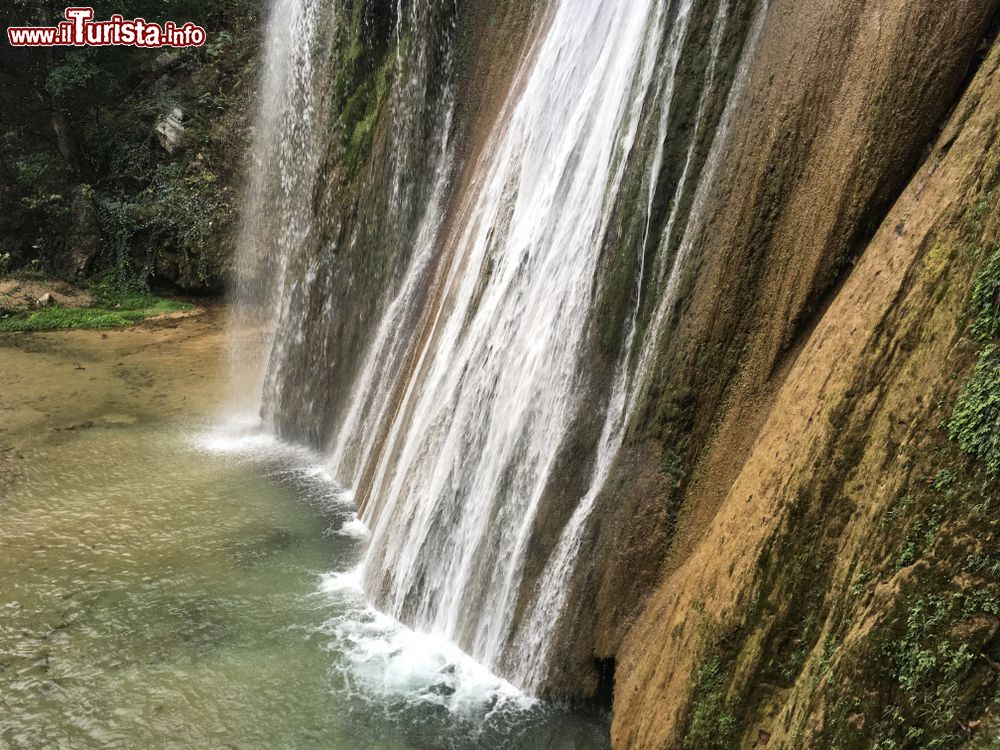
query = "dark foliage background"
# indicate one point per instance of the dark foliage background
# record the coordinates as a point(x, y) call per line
point(86, 189)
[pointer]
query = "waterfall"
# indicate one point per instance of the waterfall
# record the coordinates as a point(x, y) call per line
point(459, 476)
point(550, 602)
point(449, 424)
point(284, 167)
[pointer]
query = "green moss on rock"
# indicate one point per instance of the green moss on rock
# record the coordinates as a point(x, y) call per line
point(975, 423)
point(712, 725)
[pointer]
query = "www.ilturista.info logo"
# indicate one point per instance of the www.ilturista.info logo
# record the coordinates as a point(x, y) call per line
point(81, 30)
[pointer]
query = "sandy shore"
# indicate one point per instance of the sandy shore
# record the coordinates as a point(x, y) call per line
point(59, 382)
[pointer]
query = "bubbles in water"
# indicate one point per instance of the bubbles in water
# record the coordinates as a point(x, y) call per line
point(380, 659)
point(388, 660)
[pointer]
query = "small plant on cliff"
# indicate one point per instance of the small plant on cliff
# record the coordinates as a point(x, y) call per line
point(920, 537)
point(799, 649)
point(985, 301)
point(711, 726)
point(932, 661)
point(975, 423)
point(672, 466)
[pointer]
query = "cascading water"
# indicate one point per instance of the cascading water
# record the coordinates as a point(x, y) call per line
point(459, 477)
point(535, 644)
point(285, 154)
point(471, 379)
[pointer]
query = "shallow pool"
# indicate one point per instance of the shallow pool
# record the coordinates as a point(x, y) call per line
point(163, 586)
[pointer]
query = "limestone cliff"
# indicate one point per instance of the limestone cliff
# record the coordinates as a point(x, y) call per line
point(792, 547)
point(832, 583)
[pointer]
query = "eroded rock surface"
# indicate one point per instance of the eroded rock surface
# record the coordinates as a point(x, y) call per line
point(823, 589)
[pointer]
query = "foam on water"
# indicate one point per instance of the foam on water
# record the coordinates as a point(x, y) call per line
point(387, 660)
point(381, 658)
point(250, 439)
point(241, 435)
point(355, 528)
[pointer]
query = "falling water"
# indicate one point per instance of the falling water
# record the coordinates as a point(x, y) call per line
point(285, 155)
point(472, 377)
point(459, 477)
point(549, 604)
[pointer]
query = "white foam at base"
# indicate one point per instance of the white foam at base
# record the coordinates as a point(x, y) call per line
point(386, 659)
point(383, 657)
point(355, 528)
point(247, 438)
point(242, 435)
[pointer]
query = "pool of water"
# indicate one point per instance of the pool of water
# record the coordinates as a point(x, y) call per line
point(164, 586)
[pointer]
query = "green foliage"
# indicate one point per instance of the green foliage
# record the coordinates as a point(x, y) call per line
point(977, 214)
point(711, 725)
point(672, 465)
point(75, 76)
point(898, 510)
point(862, 580)
point(930, 665)
point(111, 307)
point(41, 179)
point(920, 537)
point(112, 296)
point(985, 300)
point(942, 623)
point(182, 207)
point(919, 654)
point(975, 423)
point(982, 562)
point(187, 200)
point(72, 118)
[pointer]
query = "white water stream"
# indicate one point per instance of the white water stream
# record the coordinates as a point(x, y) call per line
point(458, 479)
point(452, 429)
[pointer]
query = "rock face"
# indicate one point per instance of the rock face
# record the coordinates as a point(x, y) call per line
point(789, 549)
point(839, 103)
point(170, 129)
point(85, 233)
point(821, 588)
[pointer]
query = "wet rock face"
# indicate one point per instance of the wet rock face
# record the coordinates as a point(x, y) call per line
point(835, 110)
point(839, 102)
point(387, 98)
point(825, 535)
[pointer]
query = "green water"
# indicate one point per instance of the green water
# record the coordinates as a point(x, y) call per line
point(158, 594)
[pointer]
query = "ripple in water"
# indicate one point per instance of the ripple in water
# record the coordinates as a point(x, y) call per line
point(169, 587)
point(378, 657)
